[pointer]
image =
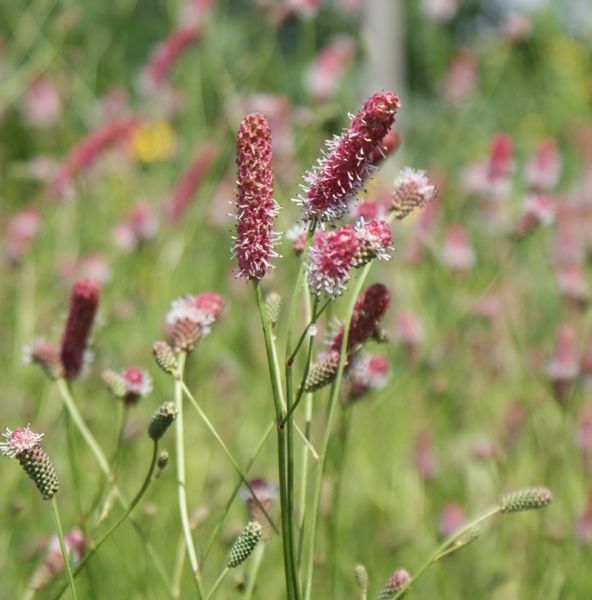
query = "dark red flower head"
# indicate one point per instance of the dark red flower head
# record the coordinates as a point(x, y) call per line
point(336, 178)
point(83, 308)
point(368, 310)
point(255, 207)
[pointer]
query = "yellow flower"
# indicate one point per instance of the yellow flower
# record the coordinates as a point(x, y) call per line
point(153, 141)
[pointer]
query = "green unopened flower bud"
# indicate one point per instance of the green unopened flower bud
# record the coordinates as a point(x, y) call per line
point(272, 307)
point(322, 372)
point(396, 582)
point(244, 544)
point(527, 499)
point(361, 575)
point(163, 460)
point(165, 358)
point(114, 383)
point(380, 335)
point(161, 420)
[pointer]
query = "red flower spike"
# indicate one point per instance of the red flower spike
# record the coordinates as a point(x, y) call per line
point(255, 208)
point(336, 178)
point(83, 308)
point(368, 310)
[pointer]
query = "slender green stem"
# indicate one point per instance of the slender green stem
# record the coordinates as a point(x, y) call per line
point(106, 470)
point(311, 321)
point(335, 389)
point(178, 570)
point(218, 582)
point(147, 481)
point(281, 441)
point(260, 445)
point(56, 516)
point(442, 550)
point(254, 570)
point(226, 451)
point(181, 491)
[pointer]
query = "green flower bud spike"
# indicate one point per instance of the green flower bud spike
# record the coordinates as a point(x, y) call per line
point(527, 499)
point(244, 544)
point(322, 372)
point(361, 575)
point(272, 307)
point(396, 582)
point(165, 358)
point(161, 420)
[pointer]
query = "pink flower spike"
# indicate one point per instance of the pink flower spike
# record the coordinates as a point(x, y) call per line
point(19, 440)
point(339, 175)
point(255, 206)
point(21, 229)
point(538, 210)
point(83, 308)
point(412, 190)
point(457, 253)
point(374, 239)
point(368, 310)
point(564, 364)
point(500, 162)
point(368, 372)
point(326, 71)
point(544, 168)
point(330, 259)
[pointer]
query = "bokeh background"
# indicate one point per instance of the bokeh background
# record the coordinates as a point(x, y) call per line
point(490, 345)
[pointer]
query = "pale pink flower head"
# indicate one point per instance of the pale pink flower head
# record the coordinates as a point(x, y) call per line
point(572, 284)
point(538, 210)
point(484, 449)
point(255, 206)
point(369, 208)
point(19, 440)
point(89, 266)
point(460, 79)
point(516, 26)
point(367, 372)
point(137, 382)
point(138, 226)
point(500, 162)
point(543, 169)
point(568, 241)
point(423, 455)
point(264, 490)
point(457, 253)
point(409, 332)
point(412, 190)
point(41, 103)
point(21, 229)
point(452, 517)
point(512, 423)
point(563, 366)
point(303, 8)
point(277, 110)
point(330, 258)
point(46, 355)
point(374, 241)
point(338, 176)
point(297, 235)
point(325, 73)
point(439, 10)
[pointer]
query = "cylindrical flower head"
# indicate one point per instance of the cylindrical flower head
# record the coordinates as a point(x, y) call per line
point(322, 372)
point(368, 310)
point(337, 177)
point(83, 308)
point(412, 190)
point(255, 206)
point(374, 239)
point(396, 582)
point(164, 357)
point(244, 544)
point(47, 356)
point(23, 445)
point(527, 499)
point(361, 575)
point(330, 258)
point(162, 420)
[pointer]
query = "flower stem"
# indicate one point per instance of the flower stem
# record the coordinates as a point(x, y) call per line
point(218, 582)
point(254, 570)
point(181, 492)
point(56, 516)
point(444, 548)
point(226, 451)
point(147, 481)
point(106, 470)
point(281, 441)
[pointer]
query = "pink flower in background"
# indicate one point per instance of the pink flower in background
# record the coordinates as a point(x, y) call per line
point(277, 110)
point(412, 190)
point(543, 169)
point(339, 175)
point(297, 235)
point(572, 284)
point(538, 210)
point(84, 303)
point(457, 253)
point(138, 226)
point(369, 208)
point(452, 516)
point(460, 79)
point(255, 207)
point(408, 331)
point(87, 150)
point(89, 266)
point(484, 449)
point(176, 204)
point(367, 372)
point(21, 229)
point(348, 6)
point(583, 437)
point(374, 241)
point(563, 367)
point(304, 8)
point(137, 382)
point(423, 456)
point(330, 259)
point(326, 72)
point(41, 103)
point(389, 145)
point(569, 239)
point(195, 11)
point(512, 423)
point(583, 523)
point(439, 10)
point(165, 54)
point(500, 161)
point(516, 27)
point(424, 226)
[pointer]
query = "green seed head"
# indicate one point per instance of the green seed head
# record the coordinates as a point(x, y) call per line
point(396, 582)
point(244, 544)
point(527, 499)
point(361, 575)
point(163, 459)
point(165, 358)
point(161, 420)
point(40, 469)
point(322, 372)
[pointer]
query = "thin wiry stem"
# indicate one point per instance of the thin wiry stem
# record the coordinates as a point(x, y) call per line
point(181, 491)
point(254, 570)
point(65, 557)
point(218, 582)
point(106, 470)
